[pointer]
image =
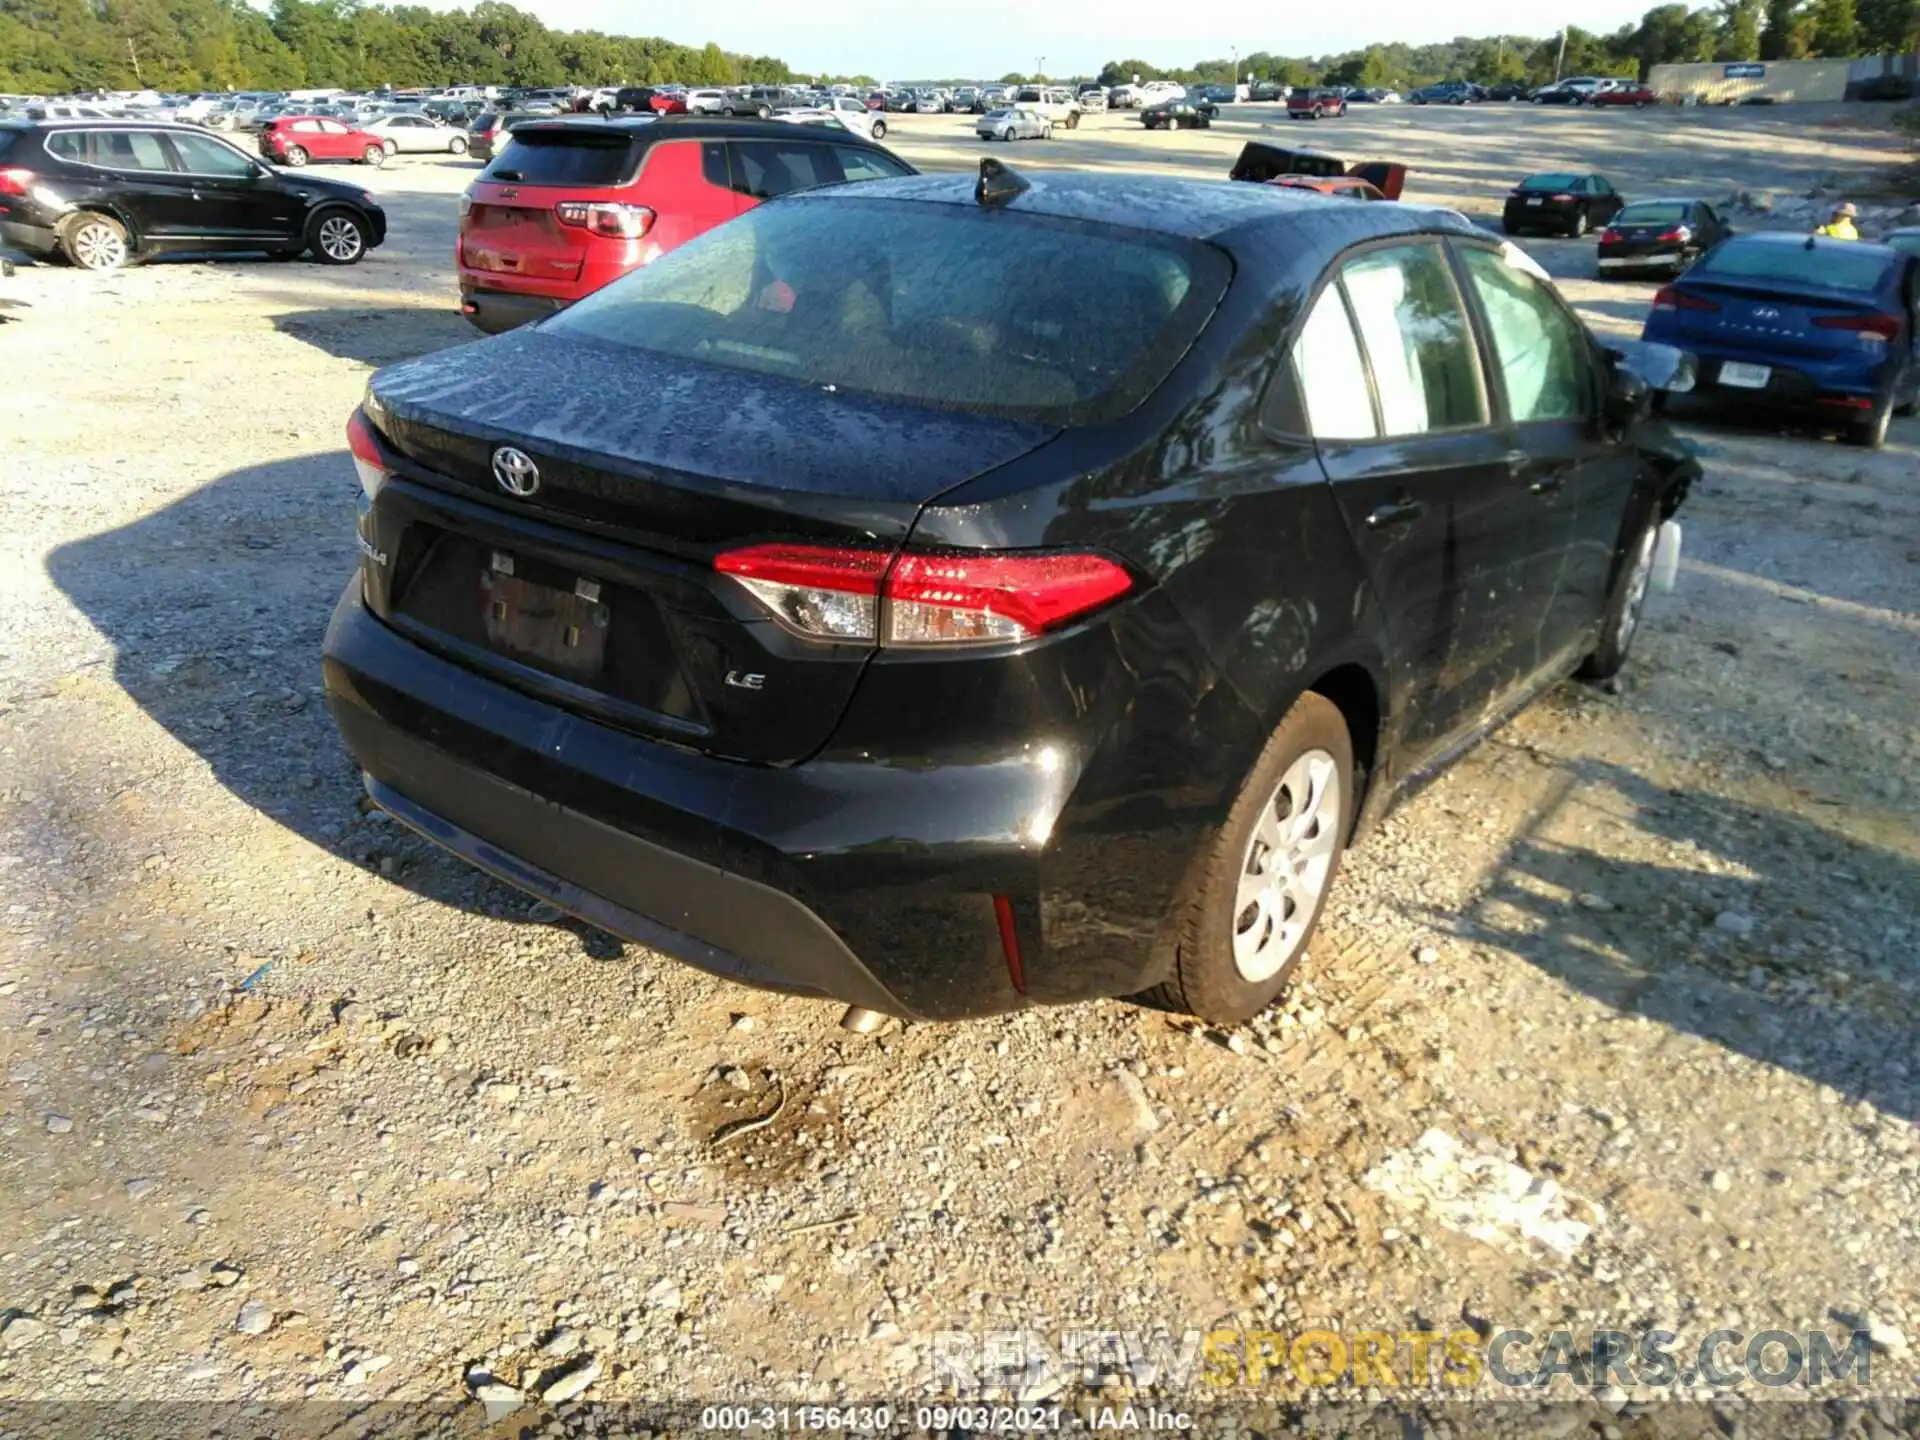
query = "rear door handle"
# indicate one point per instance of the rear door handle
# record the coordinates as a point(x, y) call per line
point(1544, 483)
point(1399, 512)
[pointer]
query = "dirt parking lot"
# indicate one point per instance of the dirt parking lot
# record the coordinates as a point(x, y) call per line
point(295, 1106)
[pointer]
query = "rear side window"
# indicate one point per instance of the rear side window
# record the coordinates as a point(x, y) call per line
point(767, 168)
point(112, 149)
point(1837, 265)
point(1541, 351)
point(1418, 346)
point(563, 157)
point(866, 165)
point(7, 138)
point(1331, 374)
point(1062, 322)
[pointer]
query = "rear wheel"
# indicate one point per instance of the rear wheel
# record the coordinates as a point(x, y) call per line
point(1622, 620)
point(1872, 434)
point(1579, 226)
point(879, 129)
point(763, 111)
point(96, 242)
point(457, 145)
point(1252, 908)
point(296, 155)
point(337, 237)
point(1073, 122)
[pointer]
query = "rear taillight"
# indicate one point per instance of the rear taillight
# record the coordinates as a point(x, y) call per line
point(15, 182)
point(1610, 236)
point(924, 599)
point(622, 222)
point(1678, 235)
point(1562, 199)
point(1668, 298)
point(1879, 328)
point(367, 458)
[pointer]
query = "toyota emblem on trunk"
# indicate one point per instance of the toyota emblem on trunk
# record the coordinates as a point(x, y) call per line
point(515, 471)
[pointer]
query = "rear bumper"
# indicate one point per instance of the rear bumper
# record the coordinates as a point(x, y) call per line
point(35, 239)
point(1798, 383)
point(1640, 259)
point(806, 878)
point(495, 311)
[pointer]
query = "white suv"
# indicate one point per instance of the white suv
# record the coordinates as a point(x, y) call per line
point(1056, 102)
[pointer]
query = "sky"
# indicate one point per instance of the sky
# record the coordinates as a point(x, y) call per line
point(984, 39)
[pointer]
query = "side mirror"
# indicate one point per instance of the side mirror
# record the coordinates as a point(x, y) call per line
point(1629, 399)
point(1657, 366)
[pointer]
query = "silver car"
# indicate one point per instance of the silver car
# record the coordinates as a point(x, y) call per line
point(1015, 123)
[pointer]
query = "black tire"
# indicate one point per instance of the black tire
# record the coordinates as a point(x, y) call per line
point(96, 242)
point(1871, 434)
point(374, 155)
point(1207, 980)
point(1624, 607)
point(1073, 122)
point(457, 145)
point(328, 240)
point(763, 111)
point(879, 129)
point(296, 155)
point(1579, 225)
point(391, 146)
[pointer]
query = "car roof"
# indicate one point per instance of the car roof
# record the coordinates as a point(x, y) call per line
point(1194, 209)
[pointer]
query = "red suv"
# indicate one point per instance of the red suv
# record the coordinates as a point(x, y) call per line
point(296, 139)
point(571, 204)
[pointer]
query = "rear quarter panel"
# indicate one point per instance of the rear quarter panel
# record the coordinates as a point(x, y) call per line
point(1255, 592)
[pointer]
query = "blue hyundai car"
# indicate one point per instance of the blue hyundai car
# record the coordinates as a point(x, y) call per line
point(1825, 327)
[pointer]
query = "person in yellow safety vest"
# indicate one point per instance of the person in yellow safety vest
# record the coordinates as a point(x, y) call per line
point(1841, 227)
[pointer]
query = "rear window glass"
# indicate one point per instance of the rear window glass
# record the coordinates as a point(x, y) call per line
point(1651, 214)
point(1551, 182)
point(1837, 265)
point(1065, 322)
point(562, 157)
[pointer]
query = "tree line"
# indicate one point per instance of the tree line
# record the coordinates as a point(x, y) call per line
point(1730, 30)
point(61, 46)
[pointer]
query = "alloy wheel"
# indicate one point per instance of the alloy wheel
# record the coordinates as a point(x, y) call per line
point(1288, 861)
point(98, 245)
point(340, 238)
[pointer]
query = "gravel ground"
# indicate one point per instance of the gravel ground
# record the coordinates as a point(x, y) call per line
point(296, 1107)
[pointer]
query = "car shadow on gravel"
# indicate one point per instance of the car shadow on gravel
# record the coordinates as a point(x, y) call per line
point(215, 607)
point(1776, 938)
point(378, 336)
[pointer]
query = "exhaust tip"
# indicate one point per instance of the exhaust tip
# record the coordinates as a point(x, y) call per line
point(862, 1021)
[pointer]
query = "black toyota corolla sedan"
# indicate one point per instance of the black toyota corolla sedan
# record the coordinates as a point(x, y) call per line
point(947, 598)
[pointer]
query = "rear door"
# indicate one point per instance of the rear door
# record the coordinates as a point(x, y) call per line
point(154, 195)
point(1391, 384)
point(1569, 480)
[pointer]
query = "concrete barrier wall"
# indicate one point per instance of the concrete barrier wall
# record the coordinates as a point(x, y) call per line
point(1781, 80)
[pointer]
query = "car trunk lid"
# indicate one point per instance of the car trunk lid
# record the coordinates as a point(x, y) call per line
point(1789, 320)
point(648, 468)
